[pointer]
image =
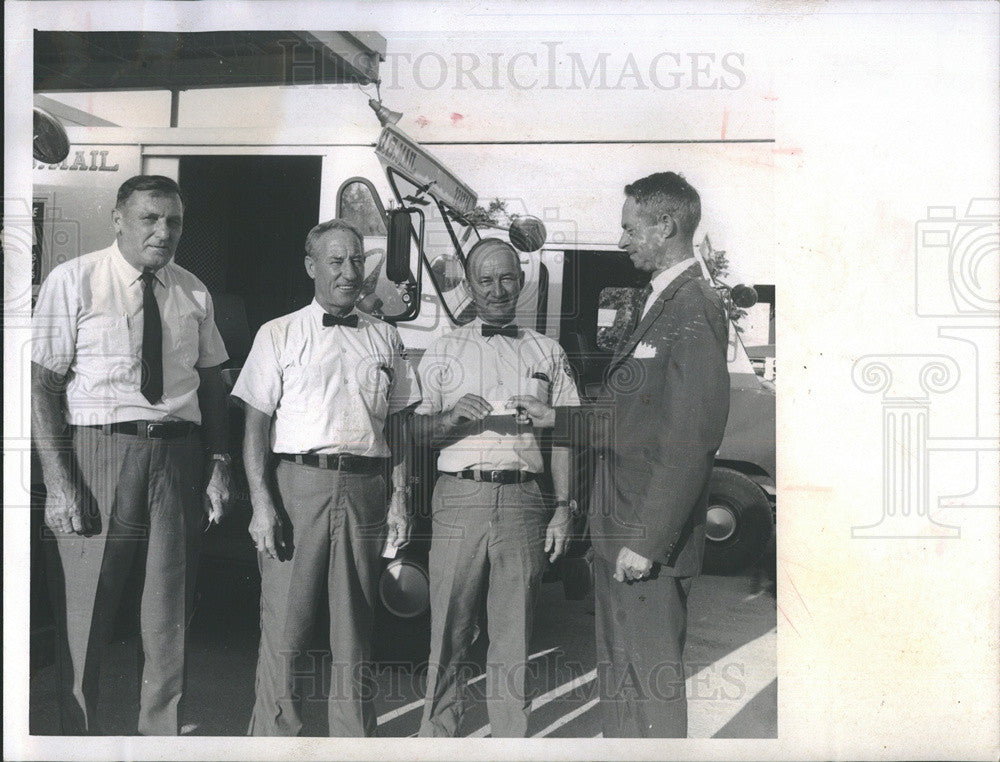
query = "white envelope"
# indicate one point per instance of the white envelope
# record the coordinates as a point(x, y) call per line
point(499, 407)
point(644, 351)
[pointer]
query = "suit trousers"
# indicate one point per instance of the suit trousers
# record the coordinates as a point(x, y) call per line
point(143, 509)
point(487, 539)
point(641, 627)
point(335, 527)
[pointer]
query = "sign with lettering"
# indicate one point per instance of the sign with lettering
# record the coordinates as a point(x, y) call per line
point(91, 160)
point(405, 155)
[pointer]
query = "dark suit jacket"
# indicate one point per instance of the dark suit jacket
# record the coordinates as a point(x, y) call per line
point(666, 400)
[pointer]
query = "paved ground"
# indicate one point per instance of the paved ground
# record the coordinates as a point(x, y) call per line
point(731, 660)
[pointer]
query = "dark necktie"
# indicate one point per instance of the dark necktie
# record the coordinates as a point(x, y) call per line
point(640, 303)
point(151, 384)
point(639, 297)
point(350, 321)
point(510, 331)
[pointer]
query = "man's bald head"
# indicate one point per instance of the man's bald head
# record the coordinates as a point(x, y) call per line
point(494, 280)
point(494, 247)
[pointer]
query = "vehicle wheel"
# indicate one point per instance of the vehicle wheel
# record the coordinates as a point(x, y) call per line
point(739, 524)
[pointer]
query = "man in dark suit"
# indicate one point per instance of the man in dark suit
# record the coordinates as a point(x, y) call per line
point(664, 406)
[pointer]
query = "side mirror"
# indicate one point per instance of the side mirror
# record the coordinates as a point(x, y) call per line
point(399, 243)
point(50, 144)
point(743, 297)
point(527, 233)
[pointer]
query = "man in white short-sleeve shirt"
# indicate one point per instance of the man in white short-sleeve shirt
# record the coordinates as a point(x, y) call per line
point(126, 352)
point(492, 527)
point(327, 391)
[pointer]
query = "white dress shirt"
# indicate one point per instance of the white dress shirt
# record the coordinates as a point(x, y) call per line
point(495, 368)
point(664, 279)
point(330, 388)
point(88, 322)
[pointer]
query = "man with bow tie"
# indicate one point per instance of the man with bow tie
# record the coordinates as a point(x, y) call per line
point(327, 390)
point(492, 527)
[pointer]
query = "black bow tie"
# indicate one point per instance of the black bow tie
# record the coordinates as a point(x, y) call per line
point(350, 321)
point(510, 331)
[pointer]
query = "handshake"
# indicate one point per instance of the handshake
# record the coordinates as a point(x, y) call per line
point(526, 409)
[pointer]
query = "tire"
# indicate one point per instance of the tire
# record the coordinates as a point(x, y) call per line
point(739, 524)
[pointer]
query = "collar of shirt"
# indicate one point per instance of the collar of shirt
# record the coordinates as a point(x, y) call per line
point(317, 312)
point(131, 275)
point(665, 278)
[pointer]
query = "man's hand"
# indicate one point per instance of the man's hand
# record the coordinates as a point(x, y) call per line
point(218, 491)
point(541, 415)
point(64, 509)
point(471, 407)
point(265, 527)
point(631, 566)
point(397, 520)
point(557, 533)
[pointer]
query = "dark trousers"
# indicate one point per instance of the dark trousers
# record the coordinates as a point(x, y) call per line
point(335, 524)
point(146, 513)
point(640, 640)
point(488, 539)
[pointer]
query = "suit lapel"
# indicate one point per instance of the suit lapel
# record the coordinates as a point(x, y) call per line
point(655, 310)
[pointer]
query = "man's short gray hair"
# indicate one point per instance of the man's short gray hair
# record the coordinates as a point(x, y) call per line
point(329, 226)
point(667, 193)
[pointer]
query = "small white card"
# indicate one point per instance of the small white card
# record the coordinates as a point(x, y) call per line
point(644, 351)
point(606, 318)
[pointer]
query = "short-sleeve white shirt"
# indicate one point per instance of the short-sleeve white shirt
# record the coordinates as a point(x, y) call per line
point(329, 388)
point(495, 368)
point(87, 325)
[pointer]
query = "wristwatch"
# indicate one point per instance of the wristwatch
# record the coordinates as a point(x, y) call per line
point(222, 457)
point(571, 504)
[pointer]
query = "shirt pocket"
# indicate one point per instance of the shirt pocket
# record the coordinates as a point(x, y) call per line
point(538, 384)
point(302, 385)
point(374, 379)
point(105, 338)
point(184, 339)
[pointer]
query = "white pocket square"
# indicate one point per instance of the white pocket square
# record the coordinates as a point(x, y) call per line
point(644, 351)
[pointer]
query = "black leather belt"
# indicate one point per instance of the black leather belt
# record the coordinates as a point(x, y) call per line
point(355, 464)
point(496, 477)
point(149, 429)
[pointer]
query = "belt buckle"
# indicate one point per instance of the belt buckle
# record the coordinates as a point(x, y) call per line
point(344, 462)
point(152, 427)
point(496, 476)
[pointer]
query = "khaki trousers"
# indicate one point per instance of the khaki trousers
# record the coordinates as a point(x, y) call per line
point(335, 523)
point(488, 542)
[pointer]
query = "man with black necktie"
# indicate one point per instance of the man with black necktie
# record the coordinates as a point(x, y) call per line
point(127, 403)
point(492, 528)
point(328, 390)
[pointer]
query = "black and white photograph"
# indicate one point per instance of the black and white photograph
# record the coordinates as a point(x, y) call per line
point(420, 379)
